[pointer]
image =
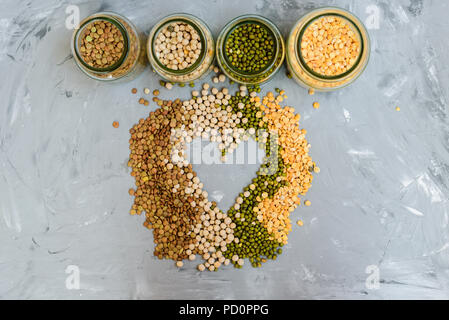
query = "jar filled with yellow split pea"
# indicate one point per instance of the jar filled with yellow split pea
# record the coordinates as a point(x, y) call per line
point(327, 49)
point(108, 47)
point(180, 48)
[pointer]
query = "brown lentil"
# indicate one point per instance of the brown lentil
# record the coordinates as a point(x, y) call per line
point(102, 44)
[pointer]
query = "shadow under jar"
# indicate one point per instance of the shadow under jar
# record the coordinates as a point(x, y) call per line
point(202, 64)
point(108, 47)
point(237, 34)
point(305, 56)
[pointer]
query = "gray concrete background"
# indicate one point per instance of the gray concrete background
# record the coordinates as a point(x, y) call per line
point(380, 200)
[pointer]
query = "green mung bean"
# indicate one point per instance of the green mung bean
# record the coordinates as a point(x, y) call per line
point(250, 47)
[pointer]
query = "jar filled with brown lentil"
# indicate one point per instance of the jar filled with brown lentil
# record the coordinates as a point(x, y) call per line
point(108, 47)
point(250, 49)
point(180, 48)
point(327, 49)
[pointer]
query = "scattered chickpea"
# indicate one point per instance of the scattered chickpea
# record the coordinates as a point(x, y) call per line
point(134, 90)
point(156, 92)
point(398, 109)
point(115, 124)
point(311, 91)
point(201, 267)
point(179, 264)
point(141, 100)
point(300, 223)
point(316, 105)
point(146, 91)
point(307, 203)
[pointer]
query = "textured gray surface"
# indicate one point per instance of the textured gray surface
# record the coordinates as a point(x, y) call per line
point(381, 197)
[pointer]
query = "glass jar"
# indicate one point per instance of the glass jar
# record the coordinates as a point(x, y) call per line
point(304, 75)
point(201, 67)
point(132, 60)
point(269, 70)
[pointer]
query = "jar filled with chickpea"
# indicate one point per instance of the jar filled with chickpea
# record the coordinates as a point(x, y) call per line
point(327, 49)
point(181, 48)
point(108, 47)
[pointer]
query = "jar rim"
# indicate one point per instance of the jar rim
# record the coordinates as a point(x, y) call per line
point(186, 18)
point(315, 18)
point(122, 30)
point(248, 18)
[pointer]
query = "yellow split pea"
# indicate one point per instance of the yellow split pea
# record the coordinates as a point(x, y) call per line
point(274, 212)
point(330, 46)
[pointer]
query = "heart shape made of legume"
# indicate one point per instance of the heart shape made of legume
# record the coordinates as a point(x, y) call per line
point(184, 221)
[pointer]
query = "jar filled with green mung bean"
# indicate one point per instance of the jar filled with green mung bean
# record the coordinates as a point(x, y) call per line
point(250, 49)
